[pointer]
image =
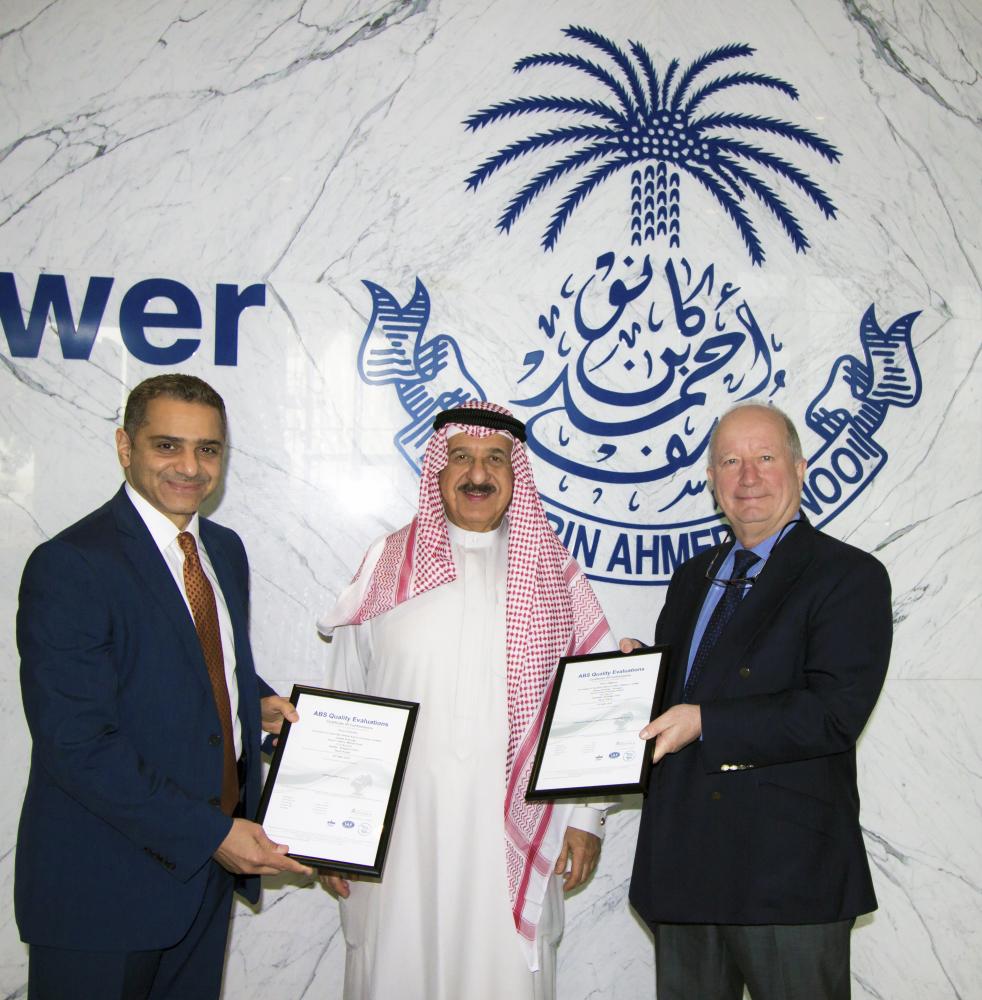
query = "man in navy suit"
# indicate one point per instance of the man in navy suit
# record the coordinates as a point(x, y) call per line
point(750, 865)
point(133, 830)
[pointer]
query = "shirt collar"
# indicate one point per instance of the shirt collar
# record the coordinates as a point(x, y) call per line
point(162, 529)
point(475, 539)
point(763, 549)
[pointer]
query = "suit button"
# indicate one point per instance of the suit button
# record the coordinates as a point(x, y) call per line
point(716, 796)
point(745, 672)
point(214, 740)
point(215, 801)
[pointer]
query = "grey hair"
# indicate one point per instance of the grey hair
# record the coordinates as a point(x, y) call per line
point(791, 432)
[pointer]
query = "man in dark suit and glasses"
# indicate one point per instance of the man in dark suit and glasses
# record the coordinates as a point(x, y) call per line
point(750, 865)
point(146, 713)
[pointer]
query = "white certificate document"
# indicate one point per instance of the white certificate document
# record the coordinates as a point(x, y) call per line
point(589, 743)
point(334, 782)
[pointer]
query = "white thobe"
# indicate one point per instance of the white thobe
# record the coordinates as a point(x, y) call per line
point(439, 925)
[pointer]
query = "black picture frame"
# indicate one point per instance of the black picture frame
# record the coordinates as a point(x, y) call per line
point(640, 772)
point(341, 729)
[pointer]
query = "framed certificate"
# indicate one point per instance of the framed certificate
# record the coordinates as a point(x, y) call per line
point(334, 782)
point(589, 743)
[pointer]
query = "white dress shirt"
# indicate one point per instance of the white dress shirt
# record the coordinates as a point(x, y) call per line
point(164, 533)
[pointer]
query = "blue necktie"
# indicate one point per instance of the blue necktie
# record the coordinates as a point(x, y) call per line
point(722, 613)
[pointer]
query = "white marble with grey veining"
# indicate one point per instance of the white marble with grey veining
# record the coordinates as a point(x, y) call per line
point(311, 145)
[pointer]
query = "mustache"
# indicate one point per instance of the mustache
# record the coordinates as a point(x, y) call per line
point(469, 487)
point(186, 480)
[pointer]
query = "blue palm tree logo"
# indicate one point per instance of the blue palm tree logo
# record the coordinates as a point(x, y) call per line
point(640, 347)
point(657, 128)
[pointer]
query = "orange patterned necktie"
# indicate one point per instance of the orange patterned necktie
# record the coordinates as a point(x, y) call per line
point(201, 597)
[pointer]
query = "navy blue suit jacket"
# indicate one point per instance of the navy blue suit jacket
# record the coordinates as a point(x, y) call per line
point(119, 820)
point(758, 823)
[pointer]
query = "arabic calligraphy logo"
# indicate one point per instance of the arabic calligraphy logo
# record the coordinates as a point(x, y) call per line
point(658, 128)
point(639, 357)
point(428, 375)
point(629, 365)
point(635, 360)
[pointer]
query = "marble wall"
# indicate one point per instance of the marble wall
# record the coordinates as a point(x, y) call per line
point(309, 147)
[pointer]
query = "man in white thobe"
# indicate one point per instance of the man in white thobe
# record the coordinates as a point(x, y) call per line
point(467, 610)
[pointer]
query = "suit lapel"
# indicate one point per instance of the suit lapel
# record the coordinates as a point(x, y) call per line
point(695, 608)
point(774, 584)
point(159, 585)
point(681, 637)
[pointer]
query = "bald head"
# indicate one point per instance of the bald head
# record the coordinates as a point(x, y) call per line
point(756, 470)
point(790, 431)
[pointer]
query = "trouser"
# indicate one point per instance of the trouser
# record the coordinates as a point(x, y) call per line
point(189, 970)
point(774, 961)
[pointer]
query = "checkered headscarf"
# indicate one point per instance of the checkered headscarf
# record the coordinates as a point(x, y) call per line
point(551, 612)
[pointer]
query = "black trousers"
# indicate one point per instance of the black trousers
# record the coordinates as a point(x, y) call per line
point(774, 962)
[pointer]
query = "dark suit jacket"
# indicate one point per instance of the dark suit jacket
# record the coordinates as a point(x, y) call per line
point(119, 820)
point(758, 823)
